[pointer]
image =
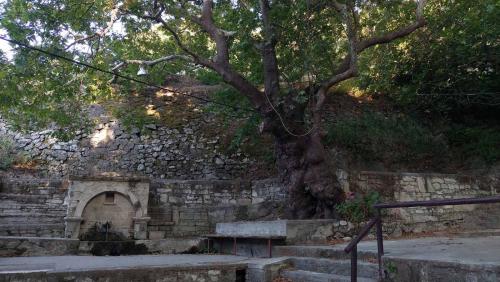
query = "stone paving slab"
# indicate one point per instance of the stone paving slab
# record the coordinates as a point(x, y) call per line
point(83, 263)
point(472, 251)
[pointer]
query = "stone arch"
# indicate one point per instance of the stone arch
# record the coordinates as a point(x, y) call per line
point(83, 201)
point(83, 190)
point(113, 207)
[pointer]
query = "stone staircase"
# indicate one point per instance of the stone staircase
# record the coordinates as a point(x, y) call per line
point(294, 262)
point(31, 208)
point(322, 264)
point(161, 223)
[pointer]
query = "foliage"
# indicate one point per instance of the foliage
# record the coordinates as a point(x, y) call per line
point(39, 90)
point(457, 52)
point(132, 117)
point(7, 152)
point(11, 157)
point(391, 268)
point(240, 108)
point(208, 77)
point(374, 136)
point(481, 143)
point(358, 208)
point(245, 136)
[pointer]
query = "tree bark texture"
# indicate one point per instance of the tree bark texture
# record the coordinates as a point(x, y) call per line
point(305, 170)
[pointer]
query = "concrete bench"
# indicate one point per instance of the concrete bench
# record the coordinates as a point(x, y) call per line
point(235, 237)
point(247, 236)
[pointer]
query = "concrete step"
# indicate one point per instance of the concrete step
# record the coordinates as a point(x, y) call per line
point(330, 266)
point(32, 208)
point(30, 190)
point(33, 216)
point(310, 276)
point(30, 218)
point(28, 226)
point(32, 230)
point(320, 251)
point(30, 198)
point(16, 196)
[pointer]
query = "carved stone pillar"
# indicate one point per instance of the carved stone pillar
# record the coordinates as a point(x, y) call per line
point(141, 227)
point(72, 229)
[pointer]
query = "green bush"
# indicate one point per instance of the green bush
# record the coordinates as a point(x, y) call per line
point(457, 52)
point(358, 208)
point(208, 77)
point(7, 152)
point(375, 137)
point(476, 142)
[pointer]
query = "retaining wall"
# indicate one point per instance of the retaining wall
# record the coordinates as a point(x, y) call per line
point(36, 207)
point(189, 151)
point(195, 206)
point(399, 187)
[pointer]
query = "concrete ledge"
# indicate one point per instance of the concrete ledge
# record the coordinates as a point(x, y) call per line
point(252, 228)
point(219, 273)
point(295, 231)
point(189, 268)
point(263, 270)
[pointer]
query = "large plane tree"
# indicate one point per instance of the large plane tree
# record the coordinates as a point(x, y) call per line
point(283, 57)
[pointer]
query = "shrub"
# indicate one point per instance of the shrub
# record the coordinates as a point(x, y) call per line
point(476, 142)
point(358, 208)
point(375, 137)
point(7, 152)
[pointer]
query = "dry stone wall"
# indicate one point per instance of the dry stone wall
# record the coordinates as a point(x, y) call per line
point(156, 151)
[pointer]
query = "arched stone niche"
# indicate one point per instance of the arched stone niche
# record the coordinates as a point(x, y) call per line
point(111, 207)
point(83, 190)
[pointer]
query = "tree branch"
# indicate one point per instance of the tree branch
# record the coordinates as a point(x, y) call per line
point(385, 38)
point(219, 36)
point(347, 12)
point(159, 60)
point(220, 63)
point(149, 63)
point(268, 50)
point(348, 67)
point(114, 18)
point(197, 59)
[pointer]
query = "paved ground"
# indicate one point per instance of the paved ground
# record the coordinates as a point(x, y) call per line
point(480, 250)
point(68, 263)
point(474, 251)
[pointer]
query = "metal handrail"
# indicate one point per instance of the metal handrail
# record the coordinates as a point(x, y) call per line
point(361, 235)
point(377, 220)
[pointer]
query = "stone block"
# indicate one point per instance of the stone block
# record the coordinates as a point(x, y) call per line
point(156, 235)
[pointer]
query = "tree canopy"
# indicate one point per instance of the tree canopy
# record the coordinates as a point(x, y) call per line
point(311, 42)
point(279, 59)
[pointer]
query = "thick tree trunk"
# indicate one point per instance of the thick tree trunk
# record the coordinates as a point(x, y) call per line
point(311, 181)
